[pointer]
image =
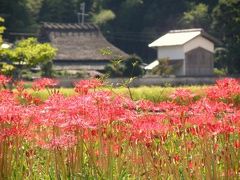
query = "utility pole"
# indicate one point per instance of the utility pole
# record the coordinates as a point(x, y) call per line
point(82, 13)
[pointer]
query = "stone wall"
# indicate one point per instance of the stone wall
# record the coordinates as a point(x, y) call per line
point(151, 81)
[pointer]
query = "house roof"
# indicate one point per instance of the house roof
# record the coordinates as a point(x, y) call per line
point(152, 65)
point(79, 42)
point(70, 26)
point(155, 63)
point(180, 37)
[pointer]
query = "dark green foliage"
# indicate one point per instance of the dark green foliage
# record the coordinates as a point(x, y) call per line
point(163, 68)
point(221, 56)
point(226, 23)
point(47, 70)
point(58, 11)
point(20, 15)
point(130, 67)
point(26, 54)
point(196, 17)
point(115, 68)
point(2, 28)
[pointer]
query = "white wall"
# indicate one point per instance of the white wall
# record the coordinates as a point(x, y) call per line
point(171, 52)
point(199, 42)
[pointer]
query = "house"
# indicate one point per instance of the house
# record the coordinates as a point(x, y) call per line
point(80, 46)
point(190, 52)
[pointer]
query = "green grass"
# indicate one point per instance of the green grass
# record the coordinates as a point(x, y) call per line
point(44, 94)
point(153, 93)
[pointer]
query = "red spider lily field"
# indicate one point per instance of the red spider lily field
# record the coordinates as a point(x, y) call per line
point(98, 134)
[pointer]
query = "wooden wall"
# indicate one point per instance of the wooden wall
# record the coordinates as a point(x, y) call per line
point(199, 62)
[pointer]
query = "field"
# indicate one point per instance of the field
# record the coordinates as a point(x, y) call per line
point(154, 93)
point(94, 132)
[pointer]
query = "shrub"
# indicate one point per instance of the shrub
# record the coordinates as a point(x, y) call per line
point(219, 72)
point(130, 67)
point(163, 68)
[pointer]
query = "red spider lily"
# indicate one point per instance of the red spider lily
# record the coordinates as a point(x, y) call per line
point(182, 94)
point(190, 145)
point(237, 144)
point(224, 88)
point(216, 147)
point(167, 106)
point(147, 105)
point(7, 96)
point(4, 80)
point(43, 83)
point(148, 127)
point(234, 117)
point(13, 118)
point(176, 158)
point(112, 125)
point(63, 141)
point(190, 165)
point(19, 86)
point(83, 86)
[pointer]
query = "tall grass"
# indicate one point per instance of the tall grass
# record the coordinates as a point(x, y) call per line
point(152, 93)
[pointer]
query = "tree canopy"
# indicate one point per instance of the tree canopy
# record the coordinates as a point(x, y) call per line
point(1, 30)
point(26, 54)
point(226, 23)
point(196, 17)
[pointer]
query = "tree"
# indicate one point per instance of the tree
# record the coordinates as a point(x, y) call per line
point(99, 13)
point(132, 66)
point(26, 54)
point(5, 66)
point(103, 17)
point(196, 17)
point(220, 61)
point(20, 15)
point(226, 23)
point(2, 28)
point(59, 11)
point(211, 4)
point(115, 68)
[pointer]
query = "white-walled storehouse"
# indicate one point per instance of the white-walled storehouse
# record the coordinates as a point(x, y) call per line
point(190, 52)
